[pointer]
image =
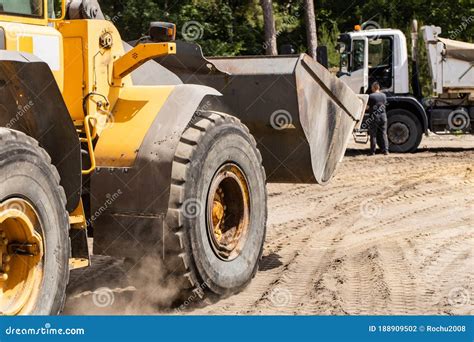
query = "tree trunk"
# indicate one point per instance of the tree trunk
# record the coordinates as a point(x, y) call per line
point(270, 44)
point(310, 19)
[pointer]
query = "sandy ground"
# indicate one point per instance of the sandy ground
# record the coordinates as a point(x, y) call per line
point(390, 235)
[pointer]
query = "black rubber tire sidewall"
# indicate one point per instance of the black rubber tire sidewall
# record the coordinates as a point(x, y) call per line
point(414, 125)
point(25, 173)
point(222, 144)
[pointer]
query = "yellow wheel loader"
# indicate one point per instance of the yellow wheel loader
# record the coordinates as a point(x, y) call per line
point(98, 139)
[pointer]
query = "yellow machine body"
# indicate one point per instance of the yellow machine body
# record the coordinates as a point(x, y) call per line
point(131, 130)
point(122, 112)
point(92, 72)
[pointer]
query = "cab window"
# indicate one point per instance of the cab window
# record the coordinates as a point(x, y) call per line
point(28, 8)
point(381, 61)
point(358, 55)
point(380, 52)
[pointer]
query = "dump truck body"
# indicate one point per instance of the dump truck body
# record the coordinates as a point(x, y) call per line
point(451, 63)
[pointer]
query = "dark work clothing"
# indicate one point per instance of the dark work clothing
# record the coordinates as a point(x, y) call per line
point(378, 127)
point(377, 122)
point(377, 103)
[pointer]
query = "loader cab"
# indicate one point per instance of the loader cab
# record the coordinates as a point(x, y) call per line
point(379, 55)
point(26, 8)
point(25, 27)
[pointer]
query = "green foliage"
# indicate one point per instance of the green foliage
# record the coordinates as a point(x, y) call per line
point(235, 27)
point(328, 36)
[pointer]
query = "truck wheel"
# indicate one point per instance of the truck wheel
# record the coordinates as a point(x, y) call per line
point(218, 206)
point(404, 131)
point(34, 240)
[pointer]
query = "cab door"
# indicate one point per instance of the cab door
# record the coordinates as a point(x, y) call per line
point(357, 77)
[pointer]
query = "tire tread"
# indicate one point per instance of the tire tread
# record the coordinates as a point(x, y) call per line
point(189, 143)
point(13, 137)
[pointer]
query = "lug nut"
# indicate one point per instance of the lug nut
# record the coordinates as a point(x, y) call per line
point(3, 276)
point(6, 268)
point(6, 258)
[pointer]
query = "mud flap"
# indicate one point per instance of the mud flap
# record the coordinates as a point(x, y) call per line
point(133, 201)
point(31, 102)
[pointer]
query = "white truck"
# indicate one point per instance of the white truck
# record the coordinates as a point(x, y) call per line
point(381, 55)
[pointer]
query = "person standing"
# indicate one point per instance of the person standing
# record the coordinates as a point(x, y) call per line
point(377, 121)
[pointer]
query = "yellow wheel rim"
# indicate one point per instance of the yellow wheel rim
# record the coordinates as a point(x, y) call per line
point(228, 211)
point(21, 253)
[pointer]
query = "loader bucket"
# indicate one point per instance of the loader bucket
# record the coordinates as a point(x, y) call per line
point(301, 116)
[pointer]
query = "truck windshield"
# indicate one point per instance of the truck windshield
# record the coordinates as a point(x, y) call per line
point(29, 8)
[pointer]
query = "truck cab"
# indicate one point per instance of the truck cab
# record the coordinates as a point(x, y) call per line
point(381, 55)
point(374, 55)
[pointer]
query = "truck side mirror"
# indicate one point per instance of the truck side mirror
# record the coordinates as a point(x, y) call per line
point(322, 56)
point(287, 49)
point(161, 32)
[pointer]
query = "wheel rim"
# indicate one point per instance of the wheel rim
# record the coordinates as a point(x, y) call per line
point(228, 212)
point(21, 253)
point(398, 133)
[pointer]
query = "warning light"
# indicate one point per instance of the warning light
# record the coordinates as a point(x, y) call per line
point(357, 28)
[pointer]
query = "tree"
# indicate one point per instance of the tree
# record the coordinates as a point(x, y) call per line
point(311, 35)
point(270, 29)
point(236, 27)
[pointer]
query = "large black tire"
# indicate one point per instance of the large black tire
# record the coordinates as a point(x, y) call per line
point(26, 172)
point(404, 131)
point(211, 141)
